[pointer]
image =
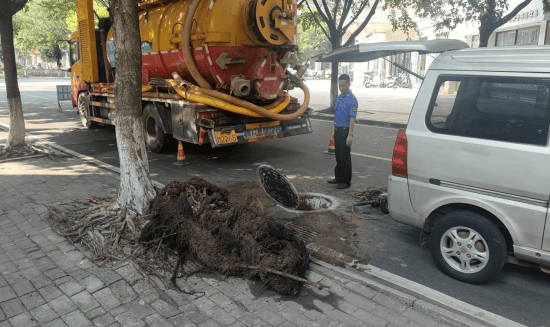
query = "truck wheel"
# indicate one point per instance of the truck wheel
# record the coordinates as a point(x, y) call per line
point(83, 112)
point(468, 247)
point(155, 138)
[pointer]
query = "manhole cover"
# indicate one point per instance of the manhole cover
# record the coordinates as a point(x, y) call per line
point(278, 187)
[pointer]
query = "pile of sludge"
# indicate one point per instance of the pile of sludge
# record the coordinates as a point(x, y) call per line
point(196, 220)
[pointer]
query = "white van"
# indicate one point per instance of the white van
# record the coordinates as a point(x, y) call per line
point(470, 170)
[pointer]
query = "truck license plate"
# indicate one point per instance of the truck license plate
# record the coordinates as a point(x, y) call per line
point(225, 138)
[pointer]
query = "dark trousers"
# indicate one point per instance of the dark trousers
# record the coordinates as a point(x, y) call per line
point(342, 172)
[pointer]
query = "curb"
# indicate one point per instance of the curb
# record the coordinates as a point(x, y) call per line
point(444, 310)
point(362, 121)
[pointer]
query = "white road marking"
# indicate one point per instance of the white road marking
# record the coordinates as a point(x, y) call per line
point(369, 156)
point(356, 125)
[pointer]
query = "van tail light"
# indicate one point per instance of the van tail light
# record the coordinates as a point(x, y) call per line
point(399, 159)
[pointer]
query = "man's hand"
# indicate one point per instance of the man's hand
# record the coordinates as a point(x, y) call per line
point(349, 140)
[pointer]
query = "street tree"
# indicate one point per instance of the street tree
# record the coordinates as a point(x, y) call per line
point(136, 187)
point(334, 18)
point(447, 14)
point(311, 41)
point(16, 135)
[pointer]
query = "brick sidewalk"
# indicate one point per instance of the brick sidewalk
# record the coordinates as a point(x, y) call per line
point(44, 280)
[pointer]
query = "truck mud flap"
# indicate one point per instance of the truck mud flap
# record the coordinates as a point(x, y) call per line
point(247, 133)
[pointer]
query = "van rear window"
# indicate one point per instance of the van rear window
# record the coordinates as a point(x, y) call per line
point(510, 109)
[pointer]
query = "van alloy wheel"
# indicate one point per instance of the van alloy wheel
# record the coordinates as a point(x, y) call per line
point(468, 246)
point(464, 249)
point(83, 111)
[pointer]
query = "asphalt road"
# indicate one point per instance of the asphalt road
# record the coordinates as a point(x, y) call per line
point(520, 294)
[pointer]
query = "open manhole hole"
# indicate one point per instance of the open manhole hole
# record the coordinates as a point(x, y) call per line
point(314, 202)
point(282, 191)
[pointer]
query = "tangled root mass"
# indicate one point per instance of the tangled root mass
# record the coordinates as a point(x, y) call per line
point(196, 220)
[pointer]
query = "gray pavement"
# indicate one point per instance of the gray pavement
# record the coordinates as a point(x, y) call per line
point(45, 280)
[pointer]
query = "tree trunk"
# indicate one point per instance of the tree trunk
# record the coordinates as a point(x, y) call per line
point(334, 84)
point(136, 187)
point(485, 31)
point(16, 135)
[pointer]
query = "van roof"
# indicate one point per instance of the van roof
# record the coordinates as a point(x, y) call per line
point(501, 59)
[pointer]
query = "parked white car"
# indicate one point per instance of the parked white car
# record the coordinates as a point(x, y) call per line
point(470, 169)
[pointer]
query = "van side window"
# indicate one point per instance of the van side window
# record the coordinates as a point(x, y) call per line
point(75, 52)
point(511, 109)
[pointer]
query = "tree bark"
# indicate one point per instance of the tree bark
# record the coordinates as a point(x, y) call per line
point(16, 135)
point(136, 187)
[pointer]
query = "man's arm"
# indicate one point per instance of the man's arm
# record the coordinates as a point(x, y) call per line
point(349, 140)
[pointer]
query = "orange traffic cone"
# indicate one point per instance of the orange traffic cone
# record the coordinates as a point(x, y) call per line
point(181, 156)
point(331, 146)
point(202, 134)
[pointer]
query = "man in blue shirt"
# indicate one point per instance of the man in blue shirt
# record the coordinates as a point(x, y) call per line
point(345, 112)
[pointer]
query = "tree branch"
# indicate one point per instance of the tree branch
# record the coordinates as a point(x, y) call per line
point(17, 5)
point(316, 20)
point(345, 12)
point(363, 24)
point(361, 8)
point(513, 13)
point(324, 13)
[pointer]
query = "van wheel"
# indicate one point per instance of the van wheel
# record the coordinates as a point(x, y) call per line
point(468, 247)
point(155, 138)
point(83, 111)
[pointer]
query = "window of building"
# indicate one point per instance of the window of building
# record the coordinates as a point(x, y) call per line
point(506, 38)
point(528, 36)
point(501, 109)
point(523, 36)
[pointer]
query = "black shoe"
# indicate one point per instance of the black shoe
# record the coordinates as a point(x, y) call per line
point(333, 181)
point(342, 185)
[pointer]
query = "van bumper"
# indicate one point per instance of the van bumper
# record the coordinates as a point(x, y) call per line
point(399, 202)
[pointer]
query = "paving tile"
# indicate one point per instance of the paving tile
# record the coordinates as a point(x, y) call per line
point(6, 293)
point(50, 292)
point(344, 318)
point(107, 299)
point(12, 308)
point(123, 291)
point(7, 267)
point(297, 318)
point(99, 311)
point(157, 320)
point(23, 263)
point(23, 288)
point(44, 314)
point(390, 315)
point(24, 319)
point(164, 309)
point(361, 289)
point(360, 301)
point(129, 318)
point(32, 300)
point(146, 291)
point(181, 321)
point(140, 308)
point(63, 305)
point(71, 288)
point(104, 320)
point(390, 303)
point(369, 318)
point(92, 283)
point(271, 317)
point(31, 273)
point(420, 318)
point(76, 319)
point(41, 281)
point(55, 323)
point(84, 301)
point(55, 273)
point(209, 323)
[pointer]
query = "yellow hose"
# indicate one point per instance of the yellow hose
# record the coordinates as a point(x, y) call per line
point(146, 88)
point(196, 96)
point(244, 107)
point(186, 45)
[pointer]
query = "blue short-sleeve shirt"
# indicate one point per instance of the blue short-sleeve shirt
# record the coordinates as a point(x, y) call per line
point(346, 107)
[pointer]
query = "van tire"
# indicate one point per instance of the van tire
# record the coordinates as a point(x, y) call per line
point(155, 138)
point(83, 111)
point(463, 224)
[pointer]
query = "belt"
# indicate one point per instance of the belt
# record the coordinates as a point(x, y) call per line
point(339, 127)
